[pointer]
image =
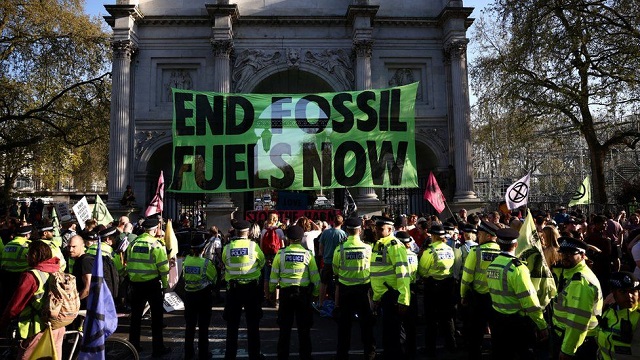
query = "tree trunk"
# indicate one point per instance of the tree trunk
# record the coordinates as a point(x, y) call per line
point(598, 154)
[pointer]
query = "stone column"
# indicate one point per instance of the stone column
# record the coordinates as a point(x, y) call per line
point(456, 50)
point(220, 208)
point(120, 127)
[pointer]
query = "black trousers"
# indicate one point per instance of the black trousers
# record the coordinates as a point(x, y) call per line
point(409, 323)
point(141, 292)
point(393, 334)
point(355, 300)
point(512, 337)
point(197, 311)
point(478, 314)
point(249, 297)
point(439, 310)
point(295, 302)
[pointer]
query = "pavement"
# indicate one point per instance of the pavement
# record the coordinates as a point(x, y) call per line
point(323, 334)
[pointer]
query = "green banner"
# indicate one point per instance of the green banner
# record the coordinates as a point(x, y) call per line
point(243, 142)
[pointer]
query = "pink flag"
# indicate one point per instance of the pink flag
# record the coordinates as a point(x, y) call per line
point(434, 194)
point(157, 203)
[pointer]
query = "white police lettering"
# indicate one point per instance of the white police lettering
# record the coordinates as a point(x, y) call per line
point(412, 260)
point(488, 256)
point(10, 249)
point(194, 270)
point(140, 249)
point(493, 274)
point(354, 255)
point(447, 255)
point(294, 258)
point(240, 252)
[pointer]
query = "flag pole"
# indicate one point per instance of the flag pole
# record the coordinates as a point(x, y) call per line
point(452, 215)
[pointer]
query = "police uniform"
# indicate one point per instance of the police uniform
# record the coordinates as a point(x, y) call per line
point(516, 308)
point(13, 262)
point(435, 268)
point(55, 247)
point(294, 269)
point(351, 265)
point(576, 307)
point(474, 289)
point(243, 261)
point(390, 282)
point(618, 334)
point(199, 278)
point(409, 322)
point(148, 271)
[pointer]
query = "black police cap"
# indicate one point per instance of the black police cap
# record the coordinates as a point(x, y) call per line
point(241, 225)
point(381, 220)
point(572, 245)
point(110, 231)
point(448, 226)
point(403, 236)
point(489, 228)
point(295, 233)
point(624, 280)
point(470, 228)
point(507, 235)
point(353, 223)
point(150, 223)
point(436, 230)
point(24, 230)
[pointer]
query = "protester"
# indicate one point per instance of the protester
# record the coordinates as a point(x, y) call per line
point(329, 240)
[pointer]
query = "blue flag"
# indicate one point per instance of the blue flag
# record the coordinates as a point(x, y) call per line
point(102, 319)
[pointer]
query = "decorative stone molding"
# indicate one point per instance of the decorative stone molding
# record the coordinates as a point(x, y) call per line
point(249, 62)
point(363, 47)
point(222, 47)
point(145, 139)
point(334, 61)
point(176, 78)
point(436, 137)
point(456, 49)
point(404, 76)
point(123, 49)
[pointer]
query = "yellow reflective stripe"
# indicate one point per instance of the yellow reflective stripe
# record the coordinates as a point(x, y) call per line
point(382, 273)
point(465, 282)
point(402, 263)
point(572, 324)
point(141, 271)
point(354, 280)
point(523, 295)
point(242, 272)
point(532, 309)
point(293, 271)
point(400, 276)
point(354, 268)
point(507, 306)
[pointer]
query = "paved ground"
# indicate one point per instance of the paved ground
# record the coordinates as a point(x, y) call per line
point(323, 334)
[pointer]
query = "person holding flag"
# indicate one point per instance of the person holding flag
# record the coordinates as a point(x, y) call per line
point(157, 203)
point(102, 319)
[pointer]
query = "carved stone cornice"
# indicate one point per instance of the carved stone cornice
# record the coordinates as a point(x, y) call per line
point(363, 47)
point(123, 49)
point(222, 48)
point(434, 136)
point(145, 139)
point(456, 49)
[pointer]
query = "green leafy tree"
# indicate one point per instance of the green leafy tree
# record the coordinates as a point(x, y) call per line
point(564, 66)
point(55, 88)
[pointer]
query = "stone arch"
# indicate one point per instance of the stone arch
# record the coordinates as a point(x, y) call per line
point(306, 69)
point(148, 151)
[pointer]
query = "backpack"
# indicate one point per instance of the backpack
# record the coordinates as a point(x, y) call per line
point(61, 300)
point(270, 243)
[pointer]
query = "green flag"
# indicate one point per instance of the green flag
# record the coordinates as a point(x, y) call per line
point(55, 222)
point(583, 194)
point(101, 213)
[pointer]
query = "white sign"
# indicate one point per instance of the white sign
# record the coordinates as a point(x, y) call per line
point(172, 302)
point(62, 209)
point(82, 211)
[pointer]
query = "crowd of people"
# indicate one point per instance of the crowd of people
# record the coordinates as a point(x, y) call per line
point(459, 278)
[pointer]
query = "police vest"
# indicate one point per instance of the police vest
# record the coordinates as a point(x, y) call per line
point(474, 275)
point(147, 260)
point(106, 249)
point(293, 266)
point(29, 320)
point(352, 262)
point(576, 306)
point(243, 260)
point(512, 291)
point(199, 273)
point(412, 260)
point(619, 329)
point(436, 262)
point(14, 255)
point(389, 269)
point(56, 252)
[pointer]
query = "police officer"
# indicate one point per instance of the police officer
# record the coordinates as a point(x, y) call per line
point(351, 265)
point(618, 335)
point(515, 303)
point(243, 261)
point(295, 271)
point(199, 278)
point(435, 268)
point(390, 282)
point(13, 262)
point(409, 321)
point(148, 271)
point(46, 235)
point(577, 304)
point(474, 291)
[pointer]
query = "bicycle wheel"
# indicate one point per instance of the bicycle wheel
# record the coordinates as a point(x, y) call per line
point(119, 349)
